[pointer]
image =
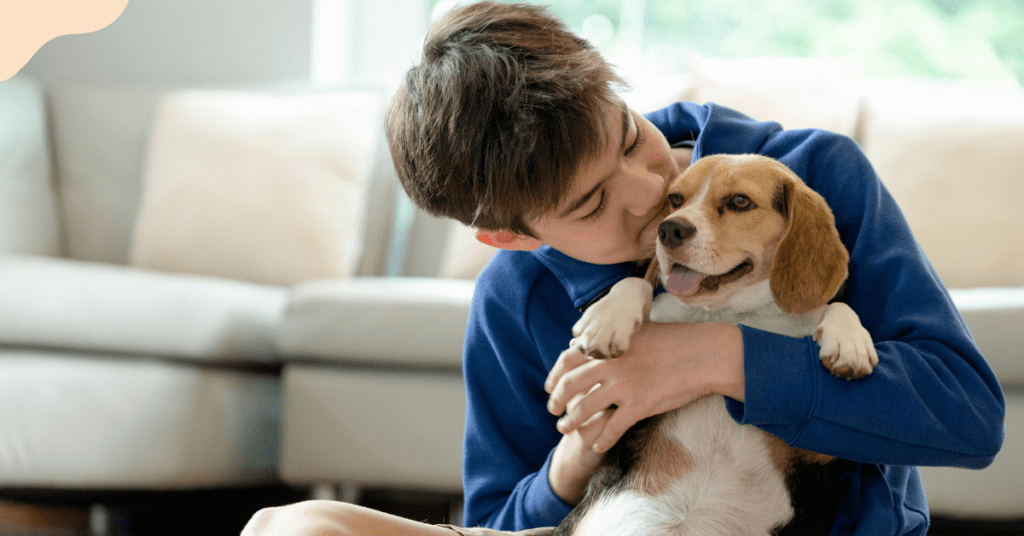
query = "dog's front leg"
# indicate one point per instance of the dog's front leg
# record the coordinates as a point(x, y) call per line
point(606, 326)
point(846, 347)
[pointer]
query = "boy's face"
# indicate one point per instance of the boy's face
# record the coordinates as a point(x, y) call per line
point(614, 204)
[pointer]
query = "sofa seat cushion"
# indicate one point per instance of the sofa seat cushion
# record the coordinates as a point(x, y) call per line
point(115, 422)
point(395, 321)
point(58, 303)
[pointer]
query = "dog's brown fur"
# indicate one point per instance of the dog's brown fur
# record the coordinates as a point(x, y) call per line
point(792, 242)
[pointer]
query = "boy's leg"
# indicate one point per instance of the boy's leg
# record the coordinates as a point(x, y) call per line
point(546, 531)
point(331, 518)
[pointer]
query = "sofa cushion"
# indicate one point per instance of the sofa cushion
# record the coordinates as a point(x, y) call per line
point(396, 321)
point(953, 158)
point(114, 422)
point(28, 218)
point(796, 92)
point(993, 492)
point(373, 427)
point(269, 188)
point(100, 138)
point(59, 303)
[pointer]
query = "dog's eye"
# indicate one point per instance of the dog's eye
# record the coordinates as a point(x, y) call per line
point(740, 203)
point(675, 200)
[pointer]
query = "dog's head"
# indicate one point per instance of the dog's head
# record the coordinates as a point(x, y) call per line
point(734, 221)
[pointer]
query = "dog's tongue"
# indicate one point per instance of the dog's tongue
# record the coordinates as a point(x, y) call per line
point(683, 282)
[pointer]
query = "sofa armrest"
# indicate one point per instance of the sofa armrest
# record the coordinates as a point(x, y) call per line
point(995, 317)
point(401, 321)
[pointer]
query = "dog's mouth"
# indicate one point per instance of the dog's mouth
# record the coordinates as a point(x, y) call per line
point(682, 281)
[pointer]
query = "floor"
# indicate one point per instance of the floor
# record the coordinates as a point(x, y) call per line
point(958, 527)
point(225, 512)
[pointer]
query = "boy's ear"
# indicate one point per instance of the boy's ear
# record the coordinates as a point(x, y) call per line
point(507, 240)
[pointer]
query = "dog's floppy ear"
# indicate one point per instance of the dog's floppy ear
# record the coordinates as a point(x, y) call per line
point(811, 262)
point(653, 273)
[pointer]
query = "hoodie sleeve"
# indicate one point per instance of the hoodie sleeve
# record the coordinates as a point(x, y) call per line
point(509, 434)
point(932, 400)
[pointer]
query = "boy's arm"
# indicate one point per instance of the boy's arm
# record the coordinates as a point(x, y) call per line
point(932, 400)
point(510, 437)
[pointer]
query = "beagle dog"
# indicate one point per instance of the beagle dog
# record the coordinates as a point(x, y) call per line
point(744, 241)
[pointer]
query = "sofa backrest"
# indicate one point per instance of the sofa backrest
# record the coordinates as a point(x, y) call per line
point(952, 156)
point(28, 216)
point(100, 139)
point(100, 145)
point(923, 148)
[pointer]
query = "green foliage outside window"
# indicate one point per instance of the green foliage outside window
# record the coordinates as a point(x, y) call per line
point(943, 39)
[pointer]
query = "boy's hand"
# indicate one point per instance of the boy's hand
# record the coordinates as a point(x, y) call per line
point(666, 367)
point(575, 460)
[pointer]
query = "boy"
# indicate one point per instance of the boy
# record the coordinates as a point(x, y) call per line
point(511, 125)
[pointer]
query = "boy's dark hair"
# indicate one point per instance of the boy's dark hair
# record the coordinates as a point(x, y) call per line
point(504, 108)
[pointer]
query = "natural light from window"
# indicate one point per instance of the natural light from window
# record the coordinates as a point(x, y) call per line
point(961, 40)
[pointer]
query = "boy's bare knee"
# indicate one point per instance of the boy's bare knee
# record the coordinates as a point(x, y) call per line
point(307, 518)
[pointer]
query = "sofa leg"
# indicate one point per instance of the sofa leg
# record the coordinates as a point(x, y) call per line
point(455, 512)
point(350, 493)
point(324, 492)
point(99, 520)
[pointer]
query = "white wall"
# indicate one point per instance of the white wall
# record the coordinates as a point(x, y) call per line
point(390, 38)
point(186, 42)
point(240, 42)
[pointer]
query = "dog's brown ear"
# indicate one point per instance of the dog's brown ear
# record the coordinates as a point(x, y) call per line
point(811, 262)
point(653, 271)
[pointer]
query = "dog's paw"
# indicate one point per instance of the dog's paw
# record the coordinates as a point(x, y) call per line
point(847, 350)
point(601, 335)
point(606, 327)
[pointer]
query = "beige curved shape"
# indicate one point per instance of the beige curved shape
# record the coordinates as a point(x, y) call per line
point(26, 25)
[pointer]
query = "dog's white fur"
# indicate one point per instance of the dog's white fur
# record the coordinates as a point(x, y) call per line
point(731, 486)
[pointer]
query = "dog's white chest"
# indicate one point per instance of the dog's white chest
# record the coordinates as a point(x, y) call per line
point(764, 315)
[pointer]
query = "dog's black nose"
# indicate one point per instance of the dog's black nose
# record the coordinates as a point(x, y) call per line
point(672, 233)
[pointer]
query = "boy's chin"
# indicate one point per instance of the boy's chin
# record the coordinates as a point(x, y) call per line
point(598, 257)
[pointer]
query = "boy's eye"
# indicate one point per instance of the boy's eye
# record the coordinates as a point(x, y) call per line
point(597, 211)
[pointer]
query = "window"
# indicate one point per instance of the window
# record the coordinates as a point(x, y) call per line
point(943, 39)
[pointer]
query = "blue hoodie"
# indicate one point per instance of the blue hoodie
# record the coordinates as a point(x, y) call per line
point(932, 400)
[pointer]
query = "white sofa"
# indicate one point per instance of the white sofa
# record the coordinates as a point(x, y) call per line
point(170, 380)
point(124, 378)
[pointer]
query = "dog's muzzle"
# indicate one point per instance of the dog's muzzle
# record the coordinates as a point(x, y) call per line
point(672, 233)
